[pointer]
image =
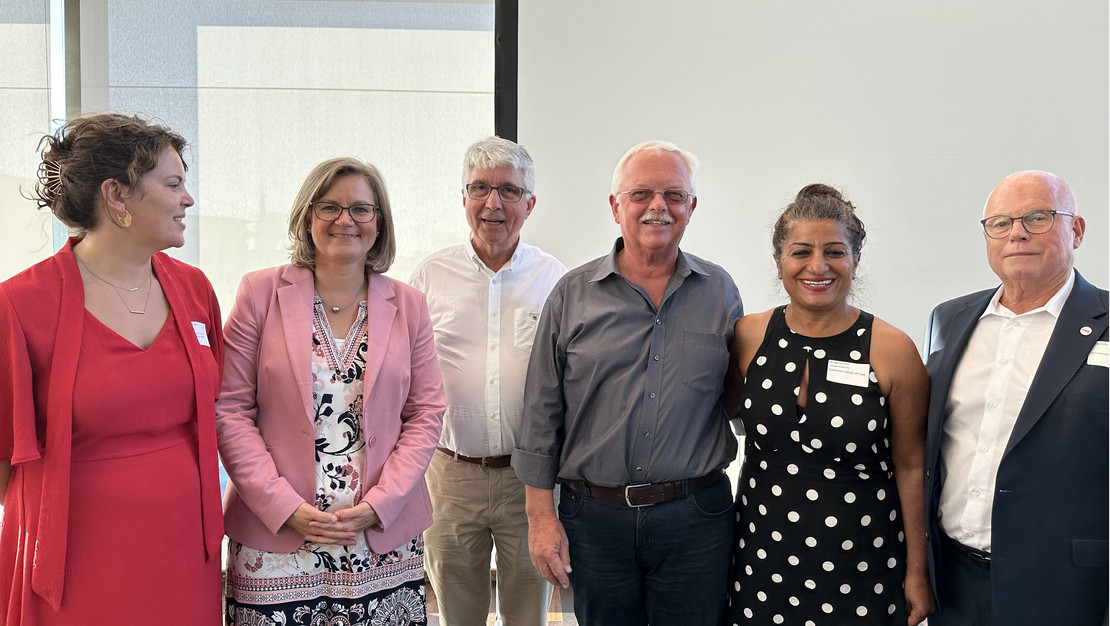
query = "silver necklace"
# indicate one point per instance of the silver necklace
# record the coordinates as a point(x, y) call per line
point(338, 309)
point(119, 290)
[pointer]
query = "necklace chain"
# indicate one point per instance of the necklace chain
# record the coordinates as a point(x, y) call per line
point(119, 290)
point(339, 309)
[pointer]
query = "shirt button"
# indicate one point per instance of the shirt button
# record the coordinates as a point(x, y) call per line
point(645, 433)
point(657, 322)
point(639, 469)
point(652, 395)
point(975, 492)
point(983, 448)
point(656, 357)
point(492, 380)
point(492, 346)
point(1004, 361)
point(993, 403)
point(969, 534)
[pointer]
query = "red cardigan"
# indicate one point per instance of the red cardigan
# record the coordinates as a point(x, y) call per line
point(41, 323)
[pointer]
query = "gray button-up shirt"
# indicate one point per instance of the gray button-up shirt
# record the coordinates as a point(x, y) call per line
point(619, 392)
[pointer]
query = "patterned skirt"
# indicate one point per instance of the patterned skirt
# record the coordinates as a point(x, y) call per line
point(323, 585)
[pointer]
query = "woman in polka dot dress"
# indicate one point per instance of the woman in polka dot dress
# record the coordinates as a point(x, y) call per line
point(830, 524)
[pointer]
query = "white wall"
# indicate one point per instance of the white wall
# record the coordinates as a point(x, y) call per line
point(914, 110)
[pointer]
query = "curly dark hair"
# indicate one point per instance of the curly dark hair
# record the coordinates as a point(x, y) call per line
point(90, 149)
point(819, 202)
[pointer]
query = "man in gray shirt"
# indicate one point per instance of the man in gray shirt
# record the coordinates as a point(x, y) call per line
point(623, 407)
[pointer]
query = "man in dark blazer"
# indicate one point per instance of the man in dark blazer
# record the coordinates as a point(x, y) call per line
point(1016, 466)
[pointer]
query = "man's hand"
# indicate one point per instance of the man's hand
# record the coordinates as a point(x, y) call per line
point(547, 541)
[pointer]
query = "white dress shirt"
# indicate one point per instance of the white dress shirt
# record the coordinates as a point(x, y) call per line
point(987, 393)
point(484, 323)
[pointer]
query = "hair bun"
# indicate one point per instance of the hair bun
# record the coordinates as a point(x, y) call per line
point(818, 190)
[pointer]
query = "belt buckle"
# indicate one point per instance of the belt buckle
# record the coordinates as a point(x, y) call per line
point(980, 557)
point(628, 500)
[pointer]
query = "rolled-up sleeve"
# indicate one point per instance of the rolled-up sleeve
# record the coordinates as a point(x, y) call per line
point(536, 458)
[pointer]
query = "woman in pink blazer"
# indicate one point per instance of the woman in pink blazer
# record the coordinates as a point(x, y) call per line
point(330, 410)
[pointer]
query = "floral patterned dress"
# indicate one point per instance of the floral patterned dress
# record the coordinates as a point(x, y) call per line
point(325, 585)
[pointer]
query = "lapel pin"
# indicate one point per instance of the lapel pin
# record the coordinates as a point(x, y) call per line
point(1086, 330)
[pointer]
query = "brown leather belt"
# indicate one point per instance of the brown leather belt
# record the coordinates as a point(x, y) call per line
point(646, 494)
point(492, 462)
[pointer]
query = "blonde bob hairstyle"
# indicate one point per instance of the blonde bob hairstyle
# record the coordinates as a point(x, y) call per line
point(320, 179)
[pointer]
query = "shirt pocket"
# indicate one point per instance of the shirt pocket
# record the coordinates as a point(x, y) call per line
point(704, 360)
point(525, 322)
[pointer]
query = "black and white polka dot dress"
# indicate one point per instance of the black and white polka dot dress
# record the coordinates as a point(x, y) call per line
point(819, 536)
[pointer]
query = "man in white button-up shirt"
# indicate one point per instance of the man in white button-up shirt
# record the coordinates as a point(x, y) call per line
point(1017, 458)
point(485, 298)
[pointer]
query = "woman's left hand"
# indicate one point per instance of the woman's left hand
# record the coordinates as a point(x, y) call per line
point(919, 599)
point(355, 519)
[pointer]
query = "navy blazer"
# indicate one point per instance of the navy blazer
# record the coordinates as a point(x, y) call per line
point(1050, 521)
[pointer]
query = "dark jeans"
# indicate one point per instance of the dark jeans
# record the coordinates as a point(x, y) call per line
point(664, 565)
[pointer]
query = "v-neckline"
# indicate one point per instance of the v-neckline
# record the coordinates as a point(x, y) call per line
point(90, 315)
point(340, 359)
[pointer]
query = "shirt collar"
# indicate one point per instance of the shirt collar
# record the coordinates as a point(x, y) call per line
point(472, 254)
point(683, 266)
point(1053, 307)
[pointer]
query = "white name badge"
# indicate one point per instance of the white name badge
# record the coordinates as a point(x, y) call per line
point(1100, 354)
point(202, 335)
point(846, 373)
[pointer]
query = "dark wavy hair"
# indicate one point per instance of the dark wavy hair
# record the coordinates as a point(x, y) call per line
point(91, 149)
point(819, 202)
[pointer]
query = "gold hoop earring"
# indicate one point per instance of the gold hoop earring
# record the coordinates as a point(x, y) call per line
point(125, 219)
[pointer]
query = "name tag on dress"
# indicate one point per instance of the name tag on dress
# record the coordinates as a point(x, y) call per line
point(1100, 354)
point(202, 334)
point(846, 373)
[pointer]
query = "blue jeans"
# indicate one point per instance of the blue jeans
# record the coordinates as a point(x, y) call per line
point(665, 564)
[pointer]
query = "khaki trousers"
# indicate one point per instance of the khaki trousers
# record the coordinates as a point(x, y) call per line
point(476, 508)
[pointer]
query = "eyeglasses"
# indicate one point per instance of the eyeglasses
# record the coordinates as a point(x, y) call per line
point(1034, 222)
point(644, 196)
point(507, 193)
point(330, 211)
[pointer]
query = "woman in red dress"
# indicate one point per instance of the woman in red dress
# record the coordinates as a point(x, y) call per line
point(110, 355)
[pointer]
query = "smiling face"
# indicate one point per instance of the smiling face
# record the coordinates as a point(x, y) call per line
point(495, 224)
point(157, 204)
point(817, 265)
point(344, 241)
point(1038, 262)
point(653, 230)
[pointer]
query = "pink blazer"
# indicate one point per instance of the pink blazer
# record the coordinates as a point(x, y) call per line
point(265, 410)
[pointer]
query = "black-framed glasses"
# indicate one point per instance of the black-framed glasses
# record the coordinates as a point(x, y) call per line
point(644, 196)
point(1034, 223)
point(330, 211)
point(507, 193)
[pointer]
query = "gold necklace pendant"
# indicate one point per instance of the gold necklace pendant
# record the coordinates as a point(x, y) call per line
point(119, 290)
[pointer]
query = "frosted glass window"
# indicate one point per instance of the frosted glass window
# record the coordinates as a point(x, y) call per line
point(24, 118)
point(263, 91)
